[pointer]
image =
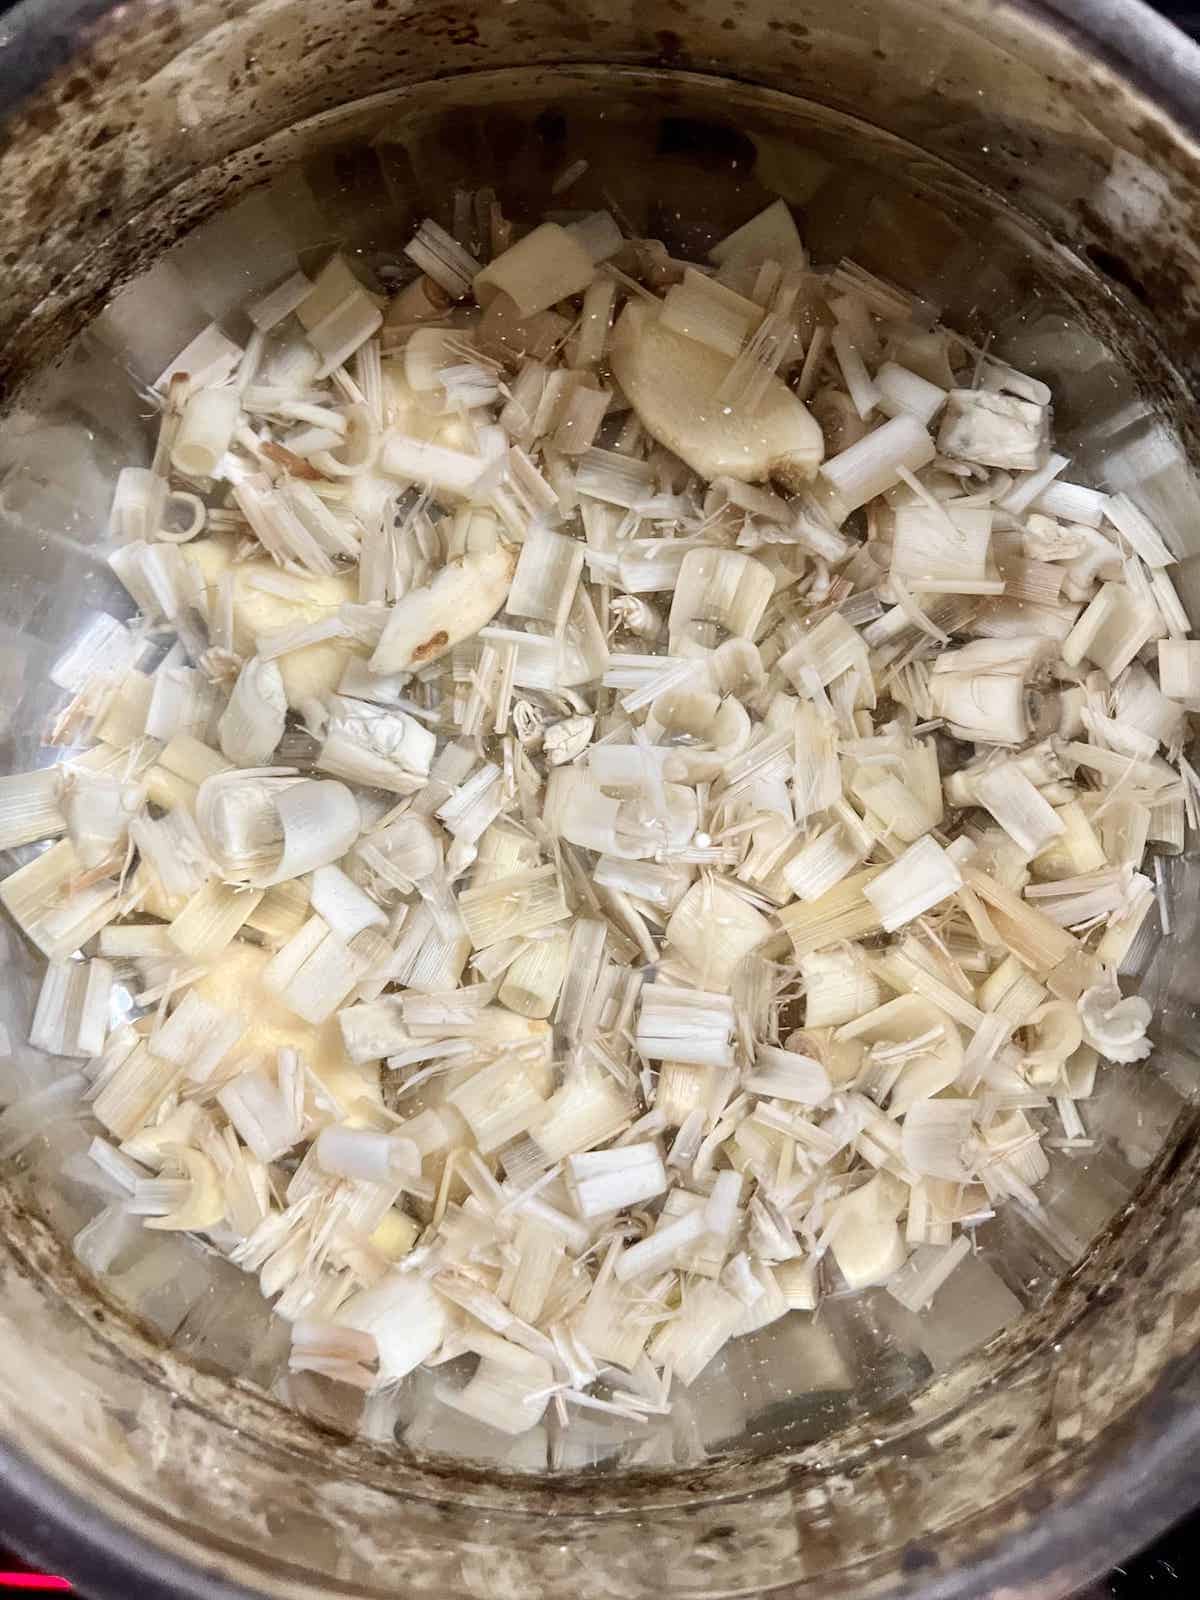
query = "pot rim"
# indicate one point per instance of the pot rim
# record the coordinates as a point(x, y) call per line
point(1155, 1478)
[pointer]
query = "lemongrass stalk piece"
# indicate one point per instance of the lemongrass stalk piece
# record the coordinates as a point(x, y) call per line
point(941, 543)
point(615, 1180)
point(346, 908)
point(903, 391)
point(689, 1026)
point(406, 1317)
point(105, 649)
point(838, 986)
point(1179, 670)
point(545, 578)
point(444, 471)
point(338, 315)
point(29, 807)
point(134, 1092)
point(981, 690)
point(718, 593)
point(211, 919)
point(914, 1042)
point(319, 821)
point(367, 1157)
point(533, 981)
point(1029, 820)
point(376, 747)
point(443, 260)
point(923, 877)
point(825, 860)
point(198, 1036)
point(546, 266)
point(585, 957)
point(512, 907)
point(252, 723)
point(844, 913)
point(1138, 531)
point(681, 1096)
point(428, 622)
point(713, 928)
point(936, 1139)
point(314, 972)
point(867, 1243)
point(662, 1248)
point(139, 501)
point(995, 430)
point(58, 918)
point(499, 1103)
point(874, 464)
point(673, 381)
point(586, 1111)
point(206, 431)
point(771, 235)
point(1111, 631)
point(72, 1012)
point(785, 1075)
point(700, 308)
point(1032, 937)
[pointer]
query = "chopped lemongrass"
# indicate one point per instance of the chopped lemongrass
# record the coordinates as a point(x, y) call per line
point(211, 918)
point(197, 1037)
point(838, 986)
point(703, 309)
point(534, 979)
point(376, 746)
point(1111, 631)
point(134, 1092)
point(500, 1102)
point(903, 391)
point(713, 928)
point(1138, 531)
point(251, 725)
point(30, 807)
point(843, 913)
point(784, 1075)
point(314, 972)
point(673, 382)
point(1178, 671)
point(875, 464)
point(544, 581)
point(72, 1013)
point(996, 430)
point(718, 593)
point(608, 1181)
point(685, 1025)
point(659, 889)
point(546, 266)
point(43, 901)
point(1029, 820)
point(922, 878)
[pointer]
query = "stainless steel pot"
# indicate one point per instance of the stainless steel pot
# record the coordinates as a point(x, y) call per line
point(1033, 168)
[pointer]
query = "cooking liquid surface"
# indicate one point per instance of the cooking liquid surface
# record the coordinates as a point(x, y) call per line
point(798, 1379)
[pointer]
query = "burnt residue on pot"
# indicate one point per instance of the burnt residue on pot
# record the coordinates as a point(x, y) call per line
point(155, 95)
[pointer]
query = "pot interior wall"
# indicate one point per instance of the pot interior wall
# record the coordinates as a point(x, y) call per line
point(844, 1438)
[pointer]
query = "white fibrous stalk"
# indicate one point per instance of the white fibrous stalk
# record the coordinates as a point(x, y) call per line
point(610, 855)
